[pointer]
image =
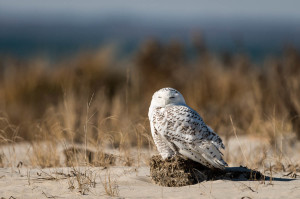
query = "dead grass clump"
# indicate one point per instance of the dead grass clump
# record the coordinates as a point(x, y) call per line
point(176, 172)
point(125, 149)
point(8, 131)
point(103, 159)
point(293, 170)
point(82, 181)
point(75, 156)
point(110, 185)
point(2, 160)
point(44, 154)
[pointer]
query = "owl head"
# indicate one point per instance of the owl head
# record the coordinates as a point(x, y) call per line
point(166, 96)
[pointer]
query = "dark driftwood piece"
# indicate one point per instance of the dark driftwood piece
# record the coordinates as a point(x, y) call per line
point(177, 171)
point(75, 156)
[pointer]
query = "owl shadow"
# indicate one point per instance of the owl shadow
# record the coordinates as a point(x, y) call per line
point(178, 171)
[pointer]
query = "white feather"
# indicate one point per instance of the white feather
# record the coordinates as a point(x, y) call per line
point(177, 128)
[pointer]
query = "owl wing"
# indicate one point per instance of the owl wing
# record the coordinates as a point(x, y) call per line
point(186, 133)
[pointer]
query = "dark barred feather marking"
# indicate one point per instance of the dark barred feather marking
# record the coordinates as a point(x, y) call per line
point(180, 129)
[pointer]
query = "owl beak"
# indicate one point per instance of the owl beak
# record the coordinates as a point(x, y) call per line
point(166, 101)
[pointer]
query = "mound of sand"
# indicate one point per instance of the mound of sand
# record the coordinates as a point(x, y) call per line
point(177, 171)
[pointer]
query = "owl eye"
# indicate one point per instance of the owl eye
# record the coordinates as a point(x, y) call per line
point(159, 96)
point(172, 97)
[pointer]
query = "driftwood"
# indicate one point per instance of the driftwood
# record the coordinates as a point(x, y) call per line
point(177, 171)
point(76, 155)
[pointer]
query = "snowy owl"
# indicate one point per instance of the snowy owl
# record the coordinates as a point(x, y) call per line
point(178, 129)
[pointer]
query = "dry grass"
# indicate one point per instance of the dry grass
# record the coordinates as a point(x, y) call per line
point(110, 185)
point(99, 102)
point(82, 181)
point(44, 154)
point(177, 171)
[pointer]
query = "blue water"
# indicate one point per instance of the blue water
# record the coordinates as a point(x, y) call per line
point(57, 39)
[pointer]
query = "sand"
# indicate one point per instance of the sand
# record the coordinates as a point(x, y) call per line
point(28, 181)
point(132, 182)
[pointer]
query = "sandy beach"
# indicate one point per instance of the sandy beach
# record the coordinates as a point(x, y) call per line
point(131, 182)
point(20, 179)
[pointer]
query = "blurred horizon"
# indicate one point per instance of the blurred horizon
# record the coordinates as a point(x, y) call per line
point(55, 29)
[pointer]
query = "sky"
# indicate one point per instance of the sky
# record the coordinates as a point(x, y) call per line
point(264, 26)
point(169, 10)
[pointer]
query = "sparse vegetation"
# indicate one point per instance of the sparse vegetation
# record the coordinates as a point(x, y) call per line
point(110, 185)
point(84, 180)
point(93, 109)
